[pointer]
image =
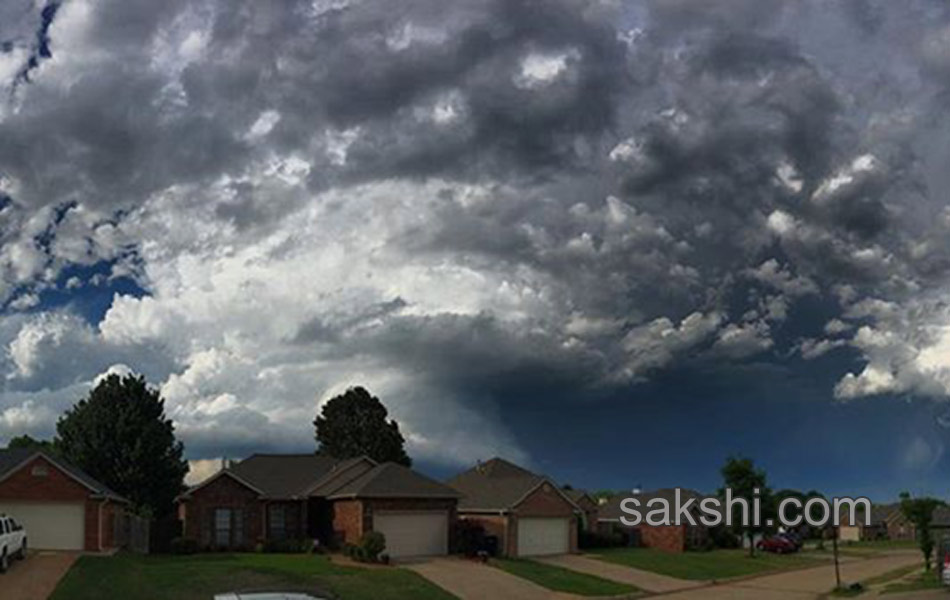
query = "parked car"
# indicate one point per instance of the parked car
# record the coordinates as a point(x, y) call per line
point(12, 542)
point(776, 544)
point(793, 538)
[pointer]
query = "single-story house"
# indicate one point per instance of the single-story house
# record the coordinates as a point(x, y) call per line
point(881, 516)
point(671, 538)
point(309, 496)
point(528, 513)
point(60, 506)
point(588, 508)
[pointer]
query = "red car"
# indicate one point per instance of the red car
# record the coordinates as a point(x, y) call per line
point(777, 544)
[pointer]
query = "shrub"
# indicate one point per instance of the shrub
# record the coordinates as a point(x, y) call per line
point(180, 545)
point(288, 546)
point(372, 544)
point(594, 539)
point(469, 537)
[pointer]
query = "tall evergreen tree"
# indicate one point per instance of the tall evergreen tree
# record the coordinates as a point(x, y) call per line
point(355, 424)
point(120, 436)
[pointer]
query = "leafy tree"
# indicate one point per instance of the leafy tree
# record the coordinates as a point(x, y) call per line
point(26, 441)
point(355, 424)
point(120, 436)
point(743, 478)
point(919, 511)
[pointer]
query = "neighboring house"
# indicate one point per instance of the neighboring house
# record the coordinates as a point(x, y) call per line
point(298, 496)
point(60, 506)
point(588, 507)
point(671, 538)
point(528, 513)
point(885, 518)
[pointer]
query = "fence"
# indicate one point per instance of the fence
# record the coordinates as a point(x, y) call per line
point(131, 532)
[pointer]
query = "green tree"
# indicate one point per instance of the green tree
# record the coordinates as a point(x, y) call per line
point(744, 479)
point(26, 441)
point(120, 436)
point(919, 511)
point(356, 423)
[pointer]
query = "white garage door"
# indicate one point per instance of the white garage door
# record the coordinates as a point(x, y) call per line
point(537, 537)
point(414, 533)
point(49, 525)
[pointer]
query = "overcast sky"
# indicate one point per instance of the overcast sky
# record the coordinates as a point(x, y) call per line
point(613, 241)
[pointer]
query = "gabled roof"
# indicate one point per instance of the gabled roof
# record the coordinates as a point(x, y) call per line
point(284, 475)
point(577, 495)
point(12, 459)
point(880, 513)
point(390, 480)
point(344, 472)
point(498, 485)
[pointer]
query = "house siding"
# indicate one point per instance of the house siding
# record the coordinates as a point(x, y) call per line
point(669, 538)
point(197, 512)
point(57, 486)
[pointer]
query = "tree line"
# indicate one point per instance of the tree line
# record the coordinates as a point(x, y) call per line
point(120, 435)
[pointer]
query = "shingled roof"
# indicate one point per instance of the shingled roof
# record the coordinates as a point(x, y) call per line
point(389, 480)
point(12, 459)
point(298, 476)
point(284, 475)
point(496, 485)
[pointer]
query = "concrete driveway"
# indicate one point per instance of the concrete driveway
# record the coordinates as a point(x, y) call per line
point(799, 585)
point(36, 577)
point(645, 580)
point(470, 580)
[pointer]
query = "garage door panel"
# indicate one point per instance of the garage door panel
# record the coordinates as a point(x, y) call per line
point(50, 525)
point(540, 537)
point(413, 533)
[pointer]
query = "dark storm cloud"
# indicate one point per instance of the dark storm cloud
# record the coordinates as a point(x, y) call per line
point(515, 196)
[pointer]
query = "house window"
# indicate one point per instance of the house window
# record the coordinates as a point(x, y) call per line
point(222, 526)
point(277, 521)
point(39, 471)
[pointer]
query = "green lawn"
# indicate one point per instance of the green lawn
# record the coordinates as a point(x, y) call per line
point(563, 580)
point(716, 564)
point(201, 576)
point(924, 581)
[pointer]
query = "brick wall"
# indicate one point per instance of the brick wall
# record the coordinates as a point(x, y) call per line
point(352, 518)
point(670, 538)
point(54, 486)
point(347, 521)
point(223, 492)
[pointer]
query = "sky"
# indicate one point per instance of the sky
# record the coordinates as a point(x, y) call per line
point(613, 241)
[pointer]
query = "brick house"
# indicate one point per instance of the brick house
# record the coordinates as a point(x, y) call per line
point(881, 516)
point(588, 508)
point(60, 506)
point(528, 513)
point(307, 496)
point(670, 538)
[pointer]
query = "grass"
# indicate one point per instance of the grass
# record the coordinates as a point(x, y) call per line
point(716, 564)
point(878, 580)
point(925, 581)
point(201, 576)
point(563, 580)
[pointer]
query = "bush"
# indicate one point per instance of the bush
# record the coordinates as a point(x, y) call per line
point(372, 544)
point(723, 538)
point(288, 546)
point(594, 539)
point(469, 537)
point(180, 545)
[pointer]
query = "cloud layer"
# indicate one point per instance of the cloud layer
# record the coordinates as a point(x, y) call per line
point(464, 206)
